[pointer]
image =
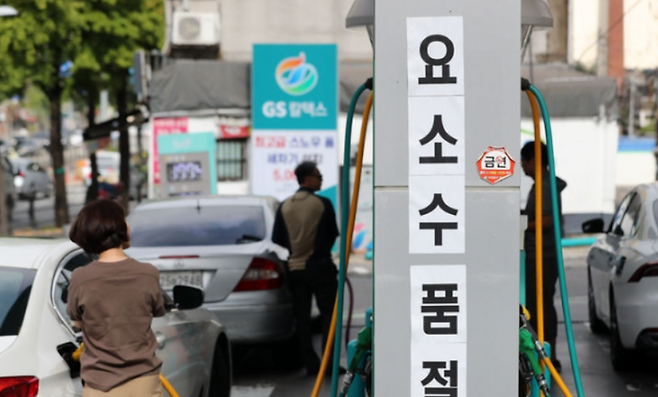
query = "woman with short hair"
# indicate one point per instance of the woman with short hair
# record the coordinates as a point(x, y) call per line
point(113, 300)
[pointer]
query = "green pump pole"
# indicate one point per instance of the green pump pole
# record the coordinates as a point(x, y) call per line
point(344, 217)
point(558, 242)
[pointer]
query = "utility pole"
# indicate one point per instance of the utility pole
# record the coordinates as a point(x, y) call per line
point(602, 54)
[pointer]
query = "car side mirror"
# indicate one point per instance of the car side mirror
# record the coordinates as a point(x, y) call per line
point(593, 226)
point(186, 297)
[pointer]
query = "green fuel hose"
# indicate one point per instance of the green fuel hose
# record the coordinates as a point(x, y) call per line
point(558, 241)
point(344, 224)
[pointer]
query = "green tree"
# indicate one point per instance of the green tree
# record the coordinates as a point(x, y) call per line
point(33, 46)
point(115, 30)
point(37, 104)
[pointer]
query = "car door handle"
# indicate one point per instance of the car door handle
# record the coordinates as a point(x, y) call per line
point(161, 339)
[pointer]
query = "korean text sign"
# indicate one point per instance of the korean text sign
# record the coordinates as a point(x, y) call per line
point(276, 154)
point(294, 86)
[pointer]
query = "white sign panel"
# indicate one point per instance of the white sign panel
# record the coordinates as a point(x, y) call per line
point(436, 135)
point(435, 56)
point(438, 330)
point(276, 153)
point(436, 214)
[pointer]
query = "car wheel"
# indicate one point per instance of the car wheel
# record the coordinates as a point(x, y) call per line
point(621, 357)
point(595, 324)
point(220, 378)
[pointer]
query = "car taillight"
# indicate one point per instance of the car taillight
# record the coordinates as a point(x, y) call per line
point(262, 274)
point(21, 173)
point(19, 386)
point(646, 270)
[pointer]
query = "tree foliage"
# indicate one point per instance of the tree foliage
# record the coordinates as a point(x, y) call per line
point(115, 29)
point(98, 36)
point(34, 44)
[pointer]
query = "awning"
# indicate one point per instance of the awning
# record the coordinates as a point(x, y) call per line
point(203, 86)
point(571, 93)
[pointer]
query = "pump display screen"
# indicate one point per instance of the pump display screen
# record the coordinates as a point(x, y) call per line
point(184, 171)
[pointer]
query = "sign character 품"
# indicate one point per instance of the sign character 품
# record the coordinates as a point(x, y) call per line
point(441, 306)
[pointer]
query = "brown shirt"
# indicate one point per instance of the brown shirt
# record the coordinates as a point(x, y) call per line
point(306, 224)
point(115, 303)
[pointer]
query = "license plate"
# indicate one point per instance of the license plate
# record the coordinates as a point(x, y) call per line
point(190, 278)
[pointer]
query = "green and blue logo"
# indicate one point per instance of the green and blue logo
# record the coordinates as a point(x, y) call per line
point(295, 76)
point(294, 87)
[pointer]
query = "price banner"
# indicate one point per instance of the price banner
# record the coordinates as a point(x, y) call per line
point(276, 154)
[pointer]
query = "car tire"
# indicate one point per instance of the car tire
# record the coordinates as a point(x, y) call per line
point(622, 358)
point(595, 324)
point(220, 378)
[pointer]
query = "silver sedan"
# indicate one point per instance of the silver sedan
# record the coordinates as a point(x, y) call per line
point(623, 276)
point(223, 245)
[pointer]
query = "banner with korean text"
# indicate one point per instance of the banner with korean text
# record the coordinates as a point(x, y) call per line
point(294, 116)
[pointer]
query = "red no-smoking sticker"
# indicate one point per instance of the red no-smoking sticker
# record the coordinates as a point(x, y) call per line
point(495, 164)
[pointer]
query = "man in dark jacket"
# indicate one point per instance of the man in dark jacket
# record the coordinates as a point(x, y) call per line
point(306, 224)
point(550, 272)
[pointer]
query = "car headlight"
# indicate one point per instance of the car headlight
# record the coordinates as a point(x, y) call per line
point(18, 181)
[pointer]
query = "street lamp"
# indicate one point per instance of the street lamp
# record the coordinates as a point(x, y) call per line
point(362, 13)
point(534, 14)
point(8, 11)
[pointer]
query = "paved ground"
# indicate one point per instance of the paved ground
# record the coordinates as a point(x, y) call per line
point(259, 377)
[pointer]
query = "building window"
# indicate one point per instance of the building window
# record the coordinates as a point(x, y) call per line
point(231, 159)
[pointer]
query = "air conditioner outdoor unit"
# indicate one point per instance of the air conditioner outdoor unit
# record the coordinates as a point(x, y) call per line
point(195, 29)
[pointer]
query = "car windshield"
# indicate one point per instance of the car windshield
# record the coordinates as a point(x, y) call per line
point(105, 163)
point(15, 286)
point(190, 226)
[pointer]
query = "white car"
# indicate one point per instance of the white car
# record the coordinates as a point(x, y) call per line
point(623, 276)
point(34, 276)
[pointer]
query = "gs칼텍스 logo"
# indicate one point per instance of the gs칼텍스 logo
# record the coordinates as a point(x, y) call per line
point(295, 76)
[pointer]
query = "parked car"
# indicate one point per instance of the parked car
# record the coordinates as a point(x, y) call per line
point(34, 277)
point(42, 139)
point(223, 245)
point(28, 147)
point(30, 179)
point(622, 268)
